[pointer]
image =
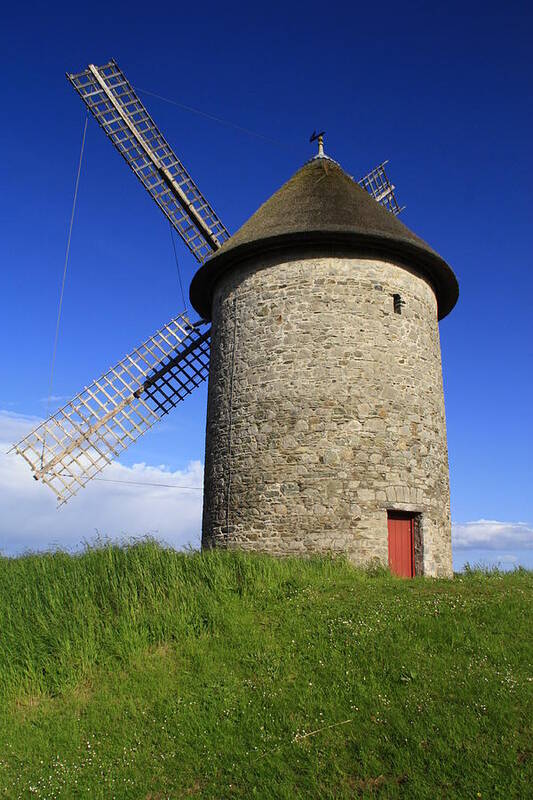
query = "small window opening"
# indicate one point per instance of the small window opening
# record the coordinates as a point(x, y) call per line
point(398, 303)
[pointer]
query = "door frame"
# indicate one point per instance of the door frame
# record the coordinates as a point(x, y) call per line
point(412, 516)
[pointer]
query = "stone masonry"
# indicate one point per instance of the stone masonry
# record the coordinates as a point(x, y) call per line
point(325, 408)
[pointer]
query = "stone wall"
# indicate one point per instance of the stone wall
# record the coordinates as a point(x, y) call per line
point(325, 409)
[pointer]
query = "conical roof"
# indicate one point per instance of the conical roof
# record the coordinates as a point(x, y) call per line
point(321, 205)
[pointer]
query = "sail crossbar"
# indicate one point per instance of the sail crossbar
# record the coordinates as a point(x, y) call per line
point(85, 435)
point(119, 111)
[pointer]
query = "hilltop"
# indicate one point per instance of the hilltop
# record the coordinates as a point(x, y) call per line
point(139, 672)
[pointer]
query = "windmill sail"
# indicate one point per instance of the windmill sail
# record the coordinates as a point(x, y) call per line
point(80, 439)
point(378, 185)
point(119, 111)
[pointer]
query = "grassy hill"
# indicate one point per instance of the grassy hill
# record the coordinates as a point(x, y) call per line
point(139, 672)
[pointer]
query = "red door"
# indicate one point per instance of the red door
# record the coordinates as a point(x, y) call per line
point(401, 544)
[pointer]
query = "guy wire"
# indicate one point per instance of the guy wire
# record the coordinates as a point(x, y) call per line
point(220, 120)
point(62, 292)
point(178, 267)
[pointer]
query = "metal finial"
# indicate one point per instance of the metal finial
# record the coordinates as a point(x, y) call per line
point(320, 138)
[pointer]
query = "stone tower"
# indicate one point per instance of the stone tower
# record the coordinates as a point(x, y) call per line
point(325, 406)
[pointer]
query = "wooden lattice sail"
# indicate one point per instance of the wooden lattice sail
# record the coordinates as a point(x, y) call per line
point(86, 434)
point(378, 185)
point(120, 112)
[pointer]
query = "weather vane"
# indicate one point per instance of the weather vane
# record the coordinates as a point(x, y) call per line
point(320, 137)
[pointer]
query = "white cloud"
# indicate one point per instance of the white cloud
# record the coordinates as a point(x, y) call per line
point(14, 426)
point(492, 534)
point(54, 398)
point(506, 558)
point(29, 518)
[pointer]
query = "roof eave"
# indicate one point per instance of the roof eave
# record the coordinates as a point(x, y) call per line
point(407, 253)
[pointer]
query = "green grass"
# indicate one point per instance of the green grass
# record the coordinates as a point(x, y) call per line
point(138, 672)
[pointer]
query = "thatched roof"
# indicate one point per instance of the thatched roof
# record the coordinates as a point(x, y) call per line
point(322, 206)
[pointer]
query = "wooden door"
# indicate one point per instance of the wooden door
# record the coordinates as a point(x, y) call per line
point(401, 543)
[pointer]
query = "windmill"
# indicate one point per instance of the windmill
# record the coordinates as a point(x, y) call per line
point(80, 439)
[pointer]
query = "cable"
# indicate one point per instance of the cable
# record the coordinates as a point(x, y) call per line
point(54, 351)
point(218, 119)
point(178, 267)
point(145, 483)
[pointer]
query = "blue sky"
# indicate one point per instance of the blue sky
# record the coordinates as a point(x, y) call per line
point(442, 91)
